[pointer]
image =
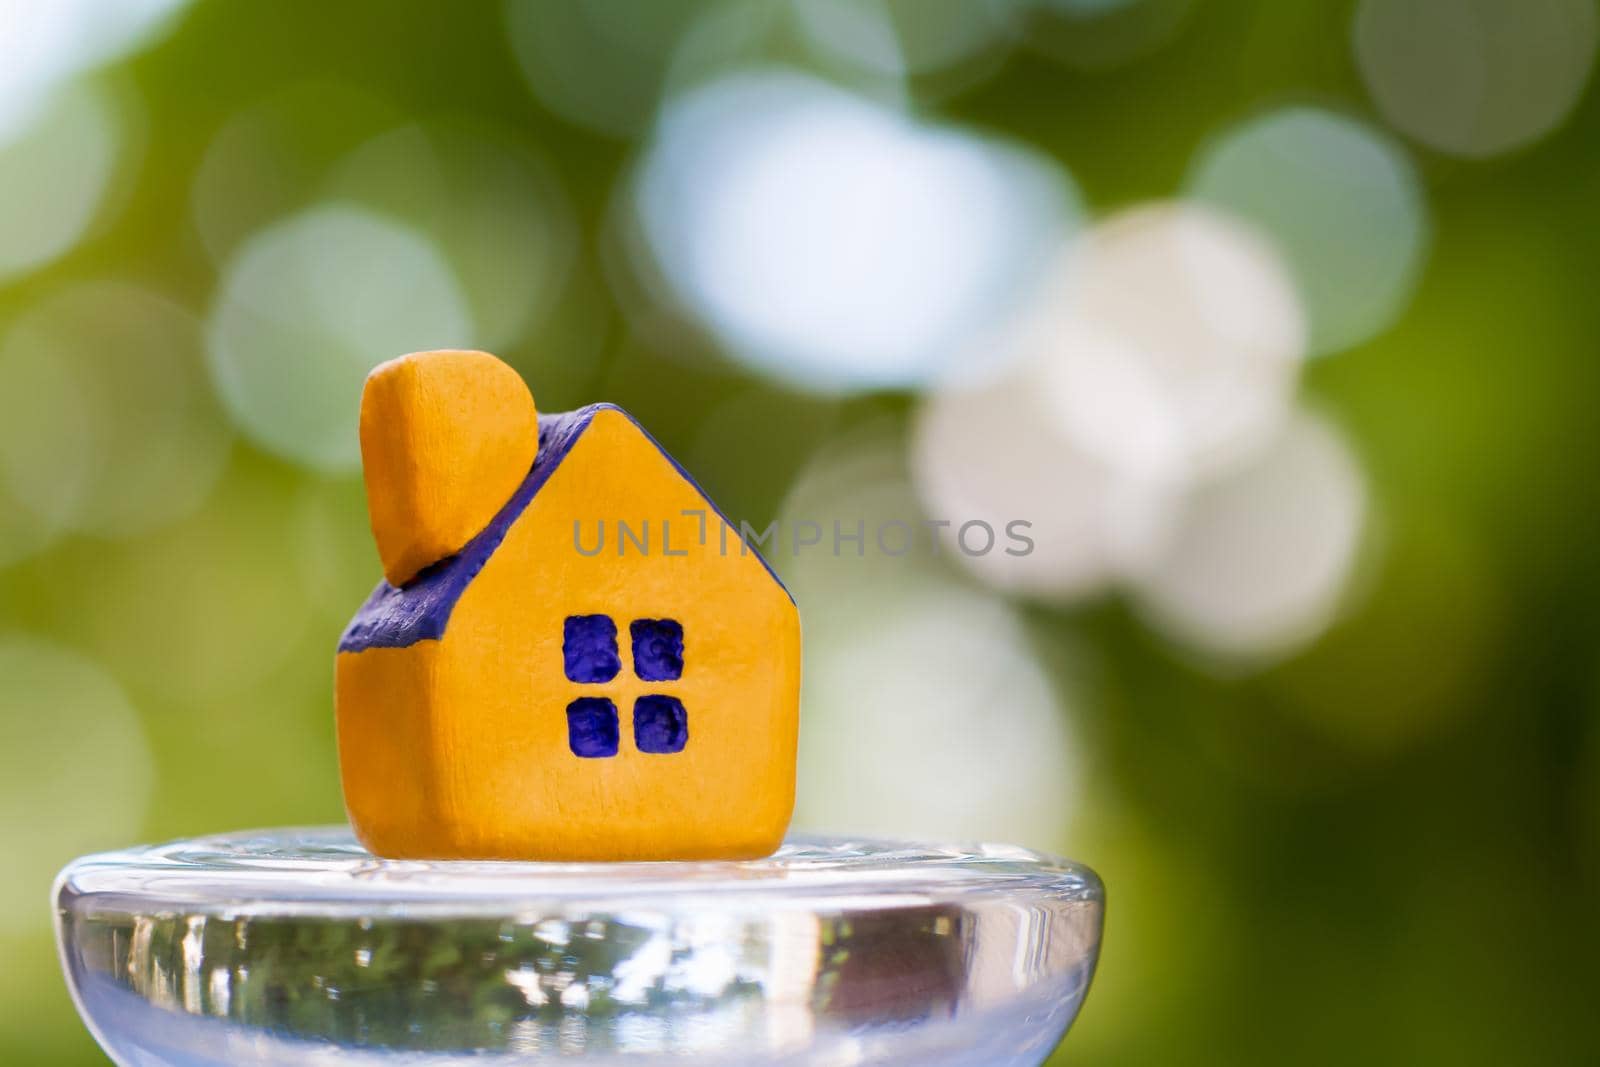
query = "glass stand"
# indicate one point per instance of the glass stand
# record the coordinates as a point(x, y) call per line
point(297, 947)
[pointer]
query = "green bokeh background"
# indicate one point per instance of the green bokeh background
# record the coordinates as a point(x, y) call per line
point(1380, 850)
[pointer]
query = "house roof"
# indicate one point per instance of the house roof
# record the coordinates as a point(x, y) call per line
point(419, 610)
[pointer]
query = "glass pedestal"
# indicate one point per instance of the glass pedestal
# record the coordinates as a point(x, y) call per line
point(297, 947)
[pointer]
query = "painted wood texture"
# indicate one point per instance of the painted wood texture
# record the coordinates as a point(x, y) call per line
point(525, 700)
point(446, 437)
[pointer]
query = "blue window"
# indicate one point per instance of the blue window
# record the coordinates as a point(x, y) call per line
point(589, 656)
point(657, 649)
point(592, 727)
point(660, 724)
point(589, 648)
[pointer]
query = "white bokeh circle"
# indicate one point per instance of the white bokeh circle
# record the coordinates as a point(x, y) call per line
point(55, 172)
point(109, 426)
point(490, 206)
point(996, 454)
point(1476, 78)
point(601, 63)
point(308, 307)
point(45, 43)
point(1170, 342)
point(902, 656)
point(835, 244)
point(943, 678)
point(1259, 558)
point(76, 771)
point(1341, 203)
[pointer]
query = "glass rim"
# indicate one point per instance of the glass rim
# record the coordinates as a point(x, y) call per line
point(323, 870)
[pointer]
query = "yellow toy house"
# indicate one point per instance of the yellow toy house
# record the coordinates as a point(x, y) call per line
point(573, 655)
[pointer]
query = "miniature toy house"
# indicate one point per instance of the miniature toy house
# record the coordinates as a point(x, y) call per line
point(602, 671)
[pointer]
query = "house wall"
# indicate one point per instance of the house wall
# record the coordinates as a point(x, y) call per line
point(506, 781)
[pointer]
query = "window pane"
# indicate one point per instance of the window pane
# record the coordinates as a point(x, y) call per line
point(657, 649)
point(589, 648)
point(592, 729)
point(660, 724)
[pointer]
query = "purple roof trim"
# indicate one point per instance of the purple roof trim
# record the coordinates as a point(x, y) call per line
point(420, 609)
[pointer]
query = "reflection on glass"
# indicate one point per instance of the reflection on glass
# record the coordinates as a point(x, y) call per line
point(299, 947)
